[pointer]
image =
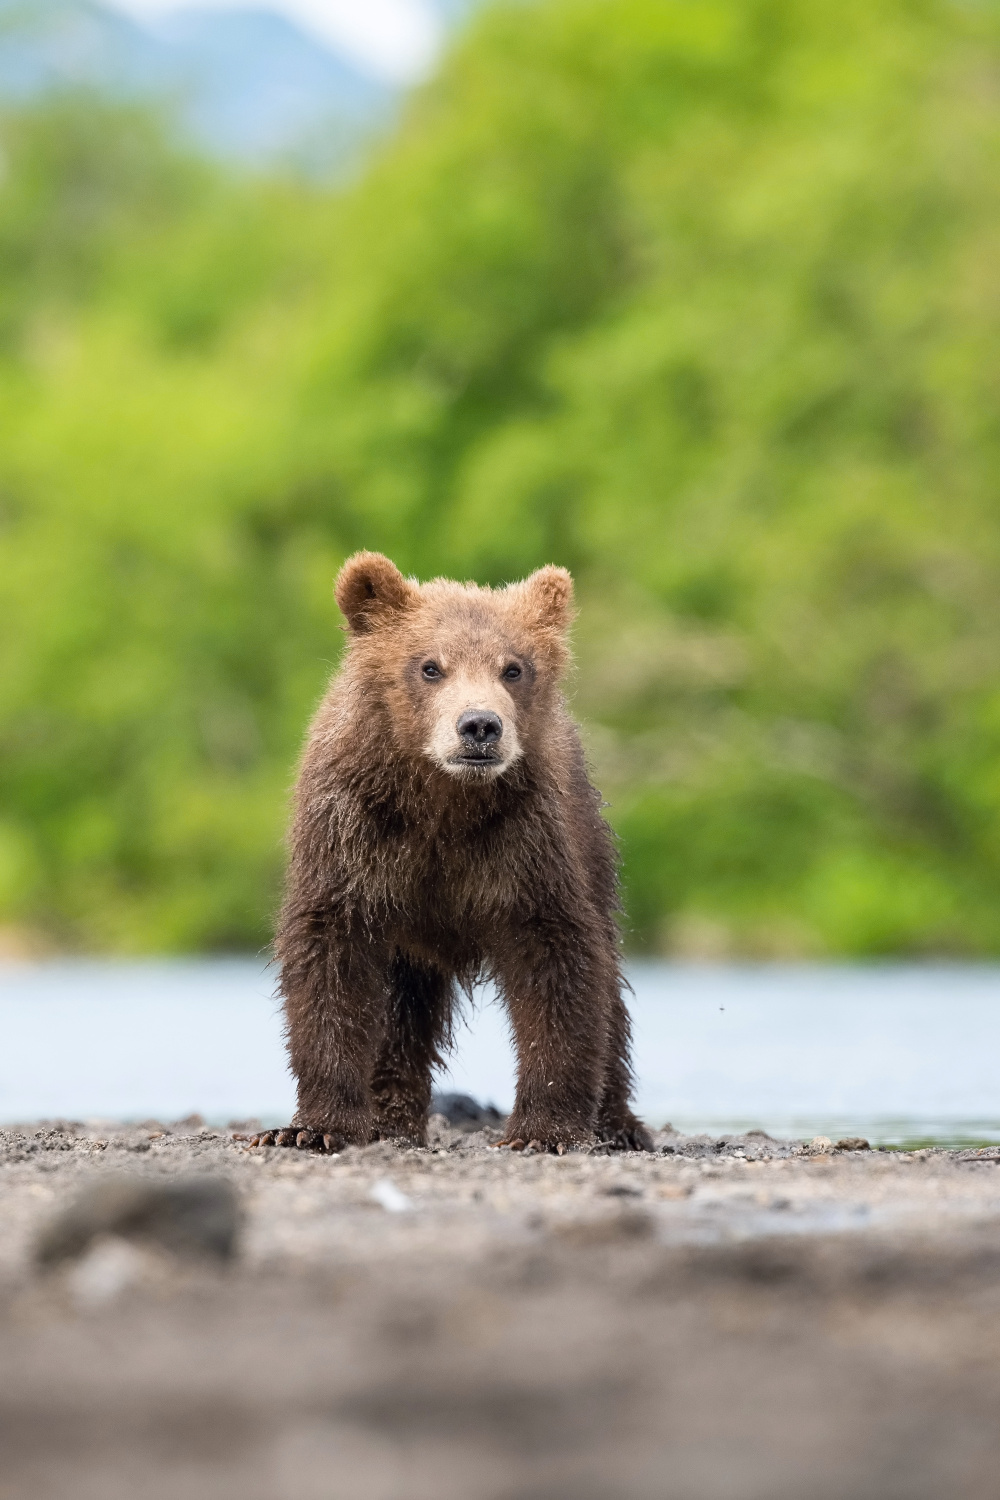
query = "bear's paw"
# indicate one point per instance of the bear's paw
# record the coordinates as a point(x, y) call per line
point(628, 1134)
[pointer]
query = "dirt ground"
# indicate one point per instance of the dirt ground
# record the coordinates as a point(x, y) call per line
point(741, 1319)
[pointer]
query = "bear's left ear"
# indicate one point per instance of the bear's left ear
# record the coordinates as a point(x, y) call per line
point(550, 594)
point(370, 590)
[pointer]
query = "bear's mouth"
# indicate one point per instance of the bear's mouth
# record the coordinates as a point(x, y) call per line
point(477, 759)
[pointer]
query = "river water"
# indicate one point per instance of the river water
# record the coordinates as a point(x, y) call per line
point(892, 1052)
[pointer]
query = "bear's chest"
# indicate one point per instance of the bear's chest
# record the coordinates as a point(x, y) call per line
point(449, 886)
point(456, 885)
point(438, 875)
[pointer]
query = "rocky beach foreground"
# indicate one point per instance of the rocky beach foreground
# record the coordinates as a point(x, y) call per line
point(734, 1319)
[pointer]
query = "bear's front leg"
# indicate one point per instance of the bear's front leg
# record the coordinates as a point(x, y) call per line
point(554, 980)
point(335, 992)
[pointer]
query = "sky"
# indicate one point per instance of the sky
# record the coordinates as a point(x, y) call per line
point(397, 40)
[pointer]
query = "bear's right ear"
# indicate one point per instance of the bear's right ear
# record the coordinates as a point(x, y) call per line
point(370, 590)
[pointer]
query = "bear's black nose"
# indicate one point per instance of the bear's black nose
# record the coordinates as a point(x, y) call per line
point(478, 726)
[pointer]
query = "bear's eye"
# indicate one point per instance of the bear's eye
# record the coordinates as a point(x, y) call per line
point(512, 673)
point(431, 671)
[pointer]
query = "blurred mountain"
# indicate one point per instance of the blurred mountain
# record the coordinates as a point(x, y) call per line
point(245, 84)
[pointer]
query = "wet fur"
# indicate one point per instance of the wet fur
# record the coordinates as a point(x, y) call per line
point(406, 883)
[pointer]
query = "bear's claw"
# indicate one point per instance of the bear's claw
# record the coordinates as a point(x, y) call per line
point(302, 1139)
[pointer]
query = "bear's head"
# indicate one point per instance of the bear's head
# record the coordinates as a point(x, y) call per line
point(466, 677)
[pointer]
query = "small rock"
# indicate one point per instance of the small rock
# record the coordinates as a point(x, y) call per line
point(109, 1267)
point(386, 1193)
point(196, 1215)
point(820, 1145)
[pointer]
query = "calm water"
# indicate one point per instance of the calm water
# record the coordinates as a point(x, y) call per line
point(894, 1052)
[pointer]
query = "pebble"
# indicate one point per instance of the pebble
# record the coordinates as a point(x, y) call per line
point(109, 1267)
point(385, 1192)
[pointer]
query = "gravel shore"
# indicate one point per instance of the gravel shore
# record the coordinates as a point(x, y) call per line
point(740, 1318)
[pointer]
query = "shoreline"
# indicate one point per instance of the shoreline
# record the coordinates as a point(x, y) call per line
point(744, 1319)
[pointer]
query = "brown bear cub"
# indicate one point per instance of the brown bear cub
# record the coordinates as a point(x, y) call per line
point(445, 830)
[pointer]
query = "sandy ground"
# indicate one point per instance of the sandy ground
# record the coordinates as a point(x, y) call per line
point(735, 1320)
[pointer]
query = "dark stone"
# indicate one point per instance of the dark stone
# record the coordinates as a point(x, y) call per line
point(465, 1113)
point(194, 1215)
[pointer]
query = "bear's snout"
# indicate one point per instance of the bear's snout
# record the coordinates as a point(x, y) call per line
point(478, 728)
point(472, 724)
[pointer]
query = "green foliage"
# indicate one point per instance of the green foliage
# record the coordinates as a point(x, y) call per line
point(695, 296)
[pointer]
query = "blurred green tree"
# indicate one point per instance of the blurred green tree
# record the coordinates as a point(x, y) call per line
point(696, 296)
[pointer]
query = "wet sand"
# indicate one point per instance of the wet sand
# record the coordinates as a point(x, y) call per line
point(724, 1320)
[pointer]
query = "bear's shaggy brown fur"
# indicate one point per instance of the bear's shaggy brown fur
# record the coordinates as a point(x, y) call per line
point(445, 829)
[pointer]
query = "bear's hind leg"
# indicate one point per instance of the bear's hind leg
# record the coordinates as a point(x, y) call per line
point(617, 1125)
point(418, 1029)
